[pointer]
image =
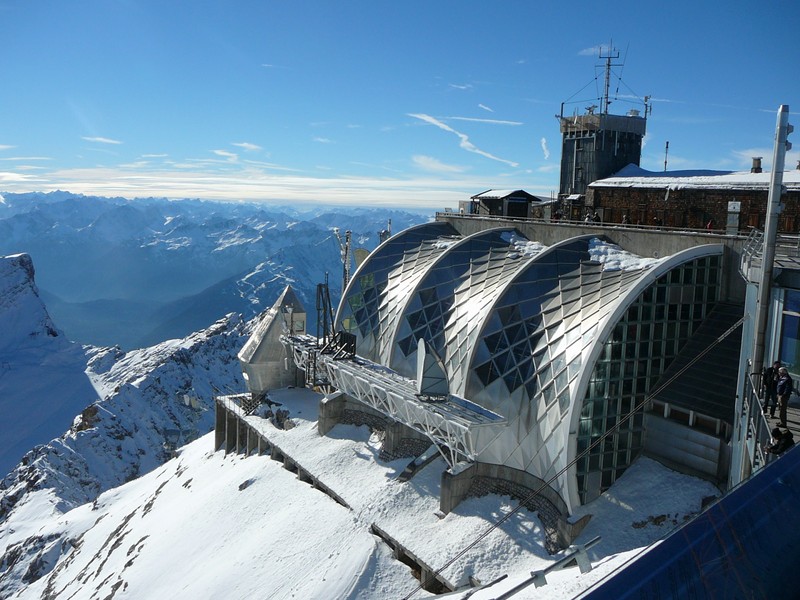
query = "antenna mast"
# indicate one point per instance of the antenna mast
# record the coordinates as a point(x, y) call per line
point(344, 249)
point(611, 54)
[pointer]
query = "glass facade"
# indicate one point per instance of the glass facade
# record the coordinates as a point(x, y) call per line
point(790, 331)
point(368, 299)
point(432, 312)
point(643, 343)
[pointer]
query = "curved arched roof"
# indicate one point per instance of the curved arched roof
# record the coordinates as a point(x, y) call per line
point(432, 303)
point(364, 304)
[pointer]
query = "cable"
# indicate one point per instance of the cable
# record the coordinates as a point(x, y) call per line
point(547, 483)
point(580, 90)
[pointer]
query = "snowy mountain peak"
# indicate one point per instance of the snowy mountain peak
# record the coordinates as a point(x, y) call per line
point(24, 318)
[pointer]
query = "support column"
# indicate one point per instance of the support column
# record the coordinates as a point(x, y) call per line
point(396, 432)
point(331, 409)
point(230, 432)
point(219, 425)
point(241, 435)
point(455, 488)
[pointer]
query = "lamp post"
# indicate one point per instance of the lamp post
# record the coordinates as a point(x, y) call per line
point(782, 130)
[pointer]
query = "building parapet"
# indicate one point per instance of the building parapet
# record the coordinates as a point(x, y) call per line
point(597, 122)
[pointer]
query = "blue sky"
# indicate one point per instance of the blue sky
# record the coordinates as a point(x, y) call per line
point(369, 102)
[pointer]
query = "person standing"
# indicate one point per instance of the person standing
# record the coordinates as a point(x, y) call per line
point(784, 392)
point(769, 384)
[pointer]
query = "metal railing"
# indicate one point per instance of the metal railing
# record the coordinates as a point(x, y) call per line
point(757, 430)
point(787, 253)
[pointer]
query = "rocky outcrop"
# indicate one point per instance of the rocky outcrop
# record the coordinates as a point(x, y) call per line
point(24, 317)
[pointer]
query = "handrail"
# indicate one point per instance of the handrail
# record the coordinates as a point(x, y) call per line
point(581, 223)
point(757, 426)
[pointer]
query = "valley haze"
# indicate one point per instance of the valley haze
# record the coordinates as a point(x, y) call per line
point(133, 273)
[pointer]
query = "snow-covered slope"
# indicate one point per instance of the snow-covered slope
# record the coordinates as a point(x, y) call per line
point(83, 420)
point(207, 525)
point(146, 396)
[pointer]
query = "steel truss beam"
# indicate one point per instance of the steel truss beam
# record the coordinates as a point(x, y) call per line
point(451, 423)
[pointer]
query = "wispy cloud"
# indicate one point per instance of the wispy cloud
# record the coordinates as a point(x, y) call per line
point(592, 51)
point(247, 146)
point(101, 140)
point(270, 166)
point(26, 158)
point(6, 147)
point(196, 181)
point(18, 178)
point(434, 165)
point(230, 156)
point(374, 166)
point(489, 121)
point(464, 138)
point(596, 50)
point(486, 108)
point(322, 140)
point(137, 164)
point(461, 86)
point(545, 149)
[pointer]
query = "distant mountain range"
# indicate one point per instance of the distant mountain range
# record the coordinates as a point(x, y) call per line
point(133, 273)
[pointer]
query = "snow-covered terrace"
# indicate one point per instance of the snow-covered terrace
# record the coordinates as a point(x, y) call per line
point(482, 538)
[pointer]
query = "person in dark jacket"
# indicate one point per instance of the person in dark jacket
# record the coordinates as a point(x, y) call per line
point(780, 443)
point(784, 390)
point(769, 384)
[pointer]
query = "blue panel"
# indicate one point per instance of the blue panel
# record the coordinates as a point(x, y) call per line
point(744, 546)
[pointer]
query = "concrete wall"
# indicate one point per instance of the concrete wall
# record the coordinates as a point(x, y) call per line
point(479, 478)
point(271, 375)
point(686, 449)
point(338, 407)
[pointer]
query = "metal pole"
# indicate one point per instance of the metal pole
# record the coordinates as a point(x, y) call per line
point(782, 130)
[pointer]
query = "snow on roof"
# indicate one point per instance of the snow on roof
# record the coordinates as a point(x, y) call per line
point(497, 194)
point(524, 246)
point(633, 176)
point(614, 258)
point(514, 195)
